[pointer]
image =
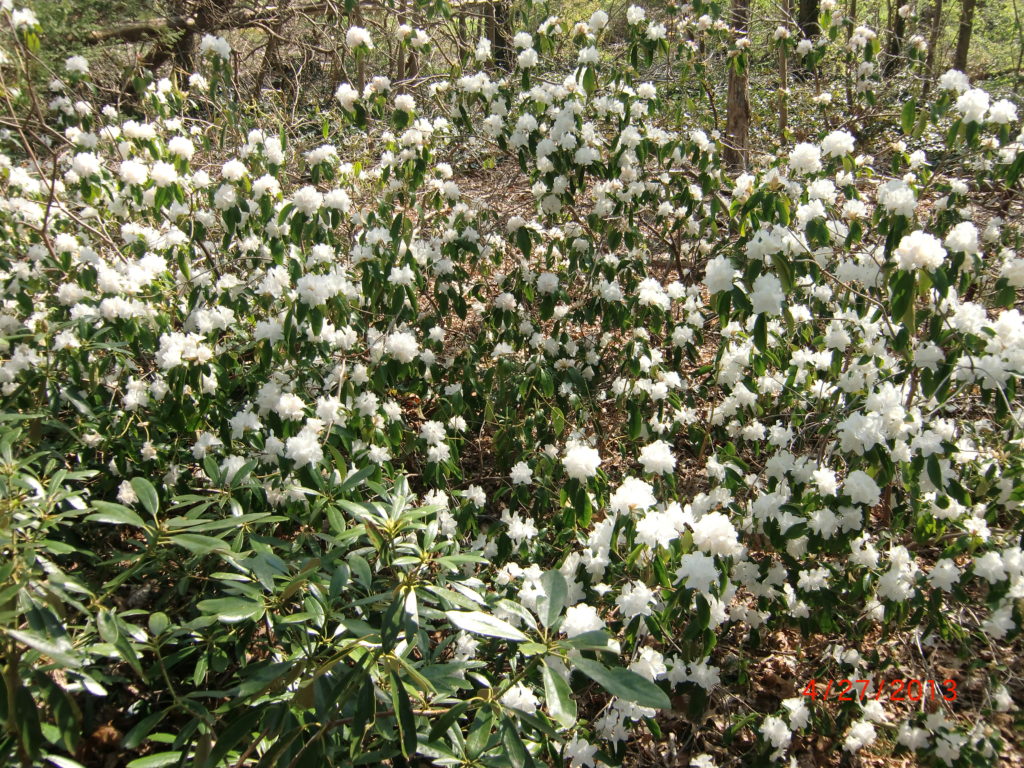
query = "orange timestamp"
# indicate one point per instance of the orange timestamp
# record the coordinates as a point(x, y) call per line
point(896, 689)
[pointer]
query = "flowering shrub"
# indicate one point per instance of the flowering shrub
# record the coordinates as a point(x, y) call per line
point(312, 460)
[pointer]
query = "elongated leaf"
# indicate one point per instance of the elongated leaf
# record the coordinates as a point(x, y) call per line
point(198, 544)
point(361, 569)
point(159, 760)
point(455, 598)
point(232, 610)
point(116, 514)
point(62, 654)
point(446, 721)
point(403, 711)
point(550, 605)
point(624, 683)
point(351, 481)
point(63, 762)
point(234, 734)
point(589, 81)
point(902, 297)
point(147, 494)
point(558, 696)
point(141, 729)
point(595, 640)
point(514, 747)
point(523, 241)
point(480, 733)
point(907, 115)
point(480, 623)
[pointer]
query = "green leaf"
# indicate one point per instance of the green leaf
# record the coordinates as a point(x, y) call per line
point(232, 610)
point(595, 640)
point(557, 421)
point(159, 760)
point(908, 115)
point(115, 514)
point(61, 654)
point(480, 623)
point(351, 481)
point(523, 241)
point(784, 272)
point(550, 605)
point(446, 721)
point(558, 695)
point(147, 494)
point(141, 730)
point(480, 733)
point(533, 649)
point(589, 81)
point(235, 733)
point(63, 762)
point(761, 333)
point(198, 544)
point(403, 710)
point(623, 683)
point(902, 293)
point(361, 569)
point(514, 747)
point(158, 623)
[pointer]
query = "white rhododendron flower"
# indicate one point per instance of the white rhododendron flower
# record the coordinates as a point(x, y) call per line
point(581, 461)
point(346, 95)
point(358, 37)
point(714, 533)
point(972, 104)
point(805, 158)
point(78, 65)
point(581, 618)
point(657, 458)
point(215, 45)
point(920, 250)
point(837, 144)
point(402, 346)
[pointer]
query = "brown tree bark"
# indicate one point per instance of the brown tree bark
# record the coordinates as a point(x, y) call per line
point(784, 76)
point(851, 15)
point(963, 37)
point(271, 57)
point(807, 13)
point(402, 19)
point(897, 33)
point(737, 116)
point(933, 44)
point(499, 39)
point(807, 18)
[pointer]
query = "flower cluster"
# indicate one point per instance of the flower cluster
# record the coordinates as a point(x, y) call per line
point(813, 428)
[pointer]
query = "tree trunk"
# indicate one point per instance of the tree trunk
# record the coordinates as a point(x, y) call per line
point(851, 16)
point(737, 119)
point(963, 38)
point(502, 48)
point(784, 77)
point(463, 34)
point(357, 17)
point(897, 33)
point(401, 49)
point(271, 57)
point(807, 18)
point(807, 14)
point(933, 44)
point(1020, 41)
